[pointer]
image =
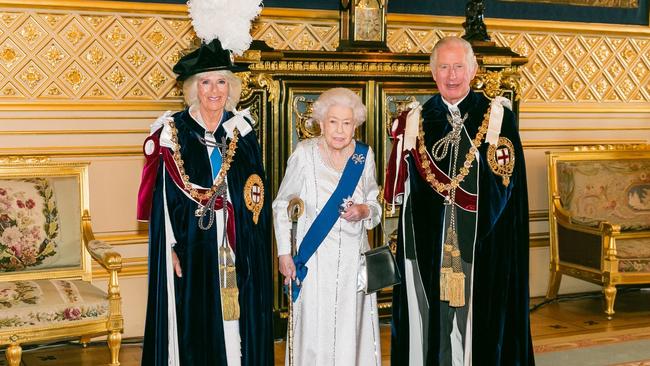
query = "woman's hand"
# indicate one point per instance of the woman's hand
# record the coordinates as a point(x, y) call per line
point(287, 268)
point(356, 212)
point(177, 264)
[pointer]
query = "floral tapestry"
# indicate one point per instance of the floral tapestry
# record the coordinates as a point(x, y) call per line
point(29, 223)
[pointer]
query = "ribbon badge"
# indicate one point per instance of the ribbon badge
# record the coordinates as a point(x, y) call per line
point(501, 159)
point(254, 195)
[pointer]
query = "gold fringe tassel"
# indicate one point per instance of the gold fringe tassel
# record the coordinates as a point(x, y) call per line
point(456, 289)
point(230, 303)
point(444, 283)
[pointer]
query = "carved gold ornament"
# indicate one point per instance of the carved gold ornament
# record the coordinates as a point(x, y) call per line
point(156, 79)
point(306, 126)
point(136, 58)
point(30, 33)
point(32, 76)
point(75, 78)
point(254, 195)
point(501, 159)
point(8, 55)
point(95, 56)
point(74, 35)
point(157, 37)
point(54, 55)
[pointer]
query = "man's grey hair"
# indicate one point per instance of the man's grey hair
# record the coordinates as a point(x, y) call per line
point(469, 52)
point(190, 88)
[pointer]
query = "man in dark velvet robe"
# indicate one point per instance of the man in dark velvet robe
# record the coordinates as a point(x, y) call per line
point(488, 321)
point(200, 337)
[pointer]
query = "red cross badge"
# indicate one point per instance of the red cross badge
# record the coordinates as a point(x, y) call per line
point(254, 195)
point(501, 159)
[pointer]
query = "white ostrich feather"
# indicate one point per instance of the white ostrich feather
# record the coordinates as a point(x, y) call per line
point(227, 20)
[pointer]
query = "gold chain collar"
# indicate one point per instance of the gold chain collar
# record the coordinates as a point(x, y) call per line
point(225, 166)
point(464, 170)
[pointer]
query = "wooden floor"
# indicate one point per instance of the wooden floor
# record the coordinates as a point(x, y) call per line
point(552, 321)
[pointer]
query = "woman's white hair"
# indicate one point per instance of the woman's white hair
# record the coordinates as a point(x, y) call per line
point(190, 88)
point(341, 97)
point(469, 52)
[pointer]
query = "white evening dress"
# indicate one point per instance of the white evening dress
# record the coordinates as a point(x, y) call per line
point(335, 323)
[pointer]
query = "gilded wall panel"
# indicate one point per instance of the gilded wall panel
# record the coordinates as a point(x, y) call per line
point(72, 55)
point(80, 55)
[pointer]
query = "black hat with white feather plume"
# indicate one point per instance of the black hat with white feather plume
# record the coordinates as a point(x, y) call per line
point(224, 29)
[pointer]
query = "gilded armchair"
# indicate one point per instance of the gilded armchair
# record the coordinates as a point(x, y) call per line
point(599, 217)
point(46, 251)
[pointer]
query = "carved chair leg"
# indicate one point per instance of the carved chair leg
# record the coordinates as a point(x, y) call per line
point(114, 341)
point(553, 284)
point(610, 295)
point(13, 354)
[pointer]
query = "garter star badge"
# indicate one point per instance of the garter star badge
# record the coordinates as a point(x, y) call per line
point(501, 158)
point(254, 195)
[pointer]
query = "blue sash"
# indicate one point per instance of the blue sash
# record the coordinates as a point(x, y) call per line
point(330, 213)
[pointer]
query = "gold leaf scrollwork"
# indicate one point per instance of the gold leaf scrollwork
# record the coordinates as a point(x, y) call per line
point(306, 127)
point(19, 160)
point(273, 86)
point(490, 83)
point(246, 88)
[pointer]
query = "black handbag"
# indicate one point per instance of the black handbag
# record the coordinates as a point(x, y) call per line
point(381, 269)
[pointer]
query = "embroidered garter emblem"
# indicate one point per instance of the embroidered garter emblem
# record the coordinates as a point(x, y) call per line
point(501, 158)
point(254, 195)
point(358, 158)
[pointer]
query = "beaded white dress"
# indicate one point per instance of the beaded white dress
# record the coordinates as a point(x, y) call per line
point(335, 323)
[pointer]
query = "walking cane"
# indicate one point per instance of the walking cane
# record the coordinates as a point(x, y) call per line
point(294, 210)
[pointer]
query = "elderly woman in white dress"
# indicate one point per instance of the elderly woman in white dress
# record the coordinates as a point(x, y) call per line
point(335, 322)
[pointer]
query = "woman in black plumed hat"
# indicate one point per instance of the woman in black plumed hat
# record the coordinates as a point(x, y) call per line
point(203, 192)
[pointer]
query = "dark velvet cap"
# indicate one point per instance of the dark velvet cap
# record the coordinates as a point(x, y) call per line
point(208, 57)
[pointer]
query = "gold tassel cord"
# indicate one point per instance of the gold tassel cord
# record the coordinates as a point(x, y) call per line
point(228, 284)
point(456, 283)
point(445, 272)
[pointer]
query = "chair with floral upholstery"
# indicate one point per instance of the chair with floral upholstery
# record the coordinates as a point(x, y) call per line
point(46, 251)
point(599, 217)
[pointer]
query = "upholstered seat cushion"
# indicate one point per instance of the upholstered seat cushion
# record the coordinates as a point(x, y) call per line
point(606, 190)
point(633, 255)
point(42, 303)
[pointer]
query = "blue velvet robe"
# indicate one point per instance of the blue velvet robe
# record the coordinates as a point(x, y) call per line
point(501, 327)
point(198, 300)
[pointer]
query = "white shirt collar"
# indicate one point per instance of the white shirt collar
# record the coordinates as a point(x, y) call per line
point(455, 105)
